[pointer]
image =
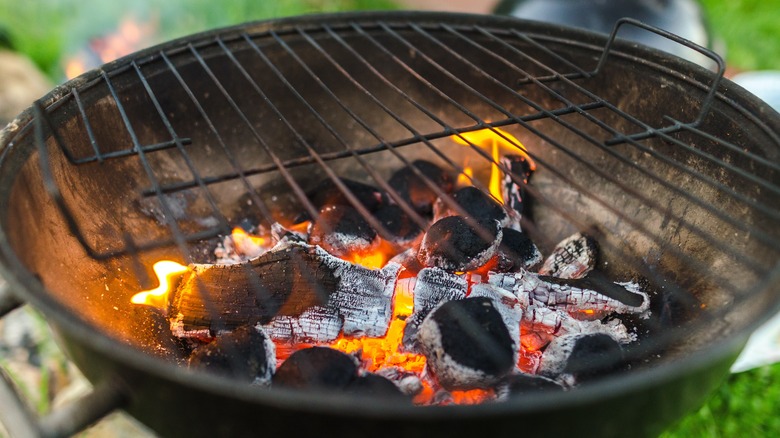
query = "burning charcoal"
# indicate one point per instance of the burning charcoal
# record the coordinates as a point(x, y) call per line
point(342, 231)
point(375, 386)
point(507, 305)
point(455, 244)
point(525, 384)
point(398, 223)
point(512, 192)
point(582, 357)
point(326, 193)
point(467, 344)
point(407, 382)
point(413, 188)
point(573, 258)
point(432, 287)
point(246, 354)
point(517, 251)
point(317, 367)
point(478, 205)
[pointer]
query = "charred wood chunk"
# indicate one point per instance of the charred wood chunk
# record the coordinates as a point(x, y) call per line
point(573, 258)
point(467, 344)
point(284, 281)
point(413, 188)
point(458, 244)
point(317, 368)
point(327, 193)
point(374, 385)
point(627, 295)
point(517, 251)
point(398, 223)
point(579, 358)
point(433, 286)
point(342, 231)
point(525, 384)
point(246, 354)
point(514, 182)
point(364, 299)
point(315, 324)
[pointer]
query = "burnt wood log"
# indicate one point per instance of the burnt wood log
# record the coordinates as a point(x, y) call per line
point(297, 291)
point(432, 286)
point(467, 344)
point(246, 354)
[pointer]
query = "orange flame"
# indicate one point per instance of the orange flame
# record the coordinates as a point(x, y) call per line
point(166, 271)
point(247, 244)
point(495, 139)
point(464, 179)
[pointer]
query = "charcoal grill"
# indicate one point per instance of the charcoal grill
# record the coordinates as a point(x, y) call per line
point(673, 168)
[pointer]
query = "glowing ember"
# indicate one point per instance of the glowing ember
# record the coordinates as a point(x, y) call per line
point(494, 139)
point(387, 351)
point(165, 271)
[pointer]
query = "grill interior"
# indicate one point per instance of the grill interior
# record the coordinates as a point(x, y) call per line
point(156, 155)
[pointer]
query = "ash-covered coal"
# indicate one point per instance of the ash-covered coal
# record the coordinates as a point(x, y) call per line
point(432, 287)
point(467, 344)
point(245, 354)
point(410, 184)
point(455, 243)
point(517, 252)
point(341, 231)
point(574, 257)
point(577, 358)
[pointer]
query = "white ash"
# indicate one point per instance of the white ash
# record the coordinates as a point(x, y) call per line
point(407, 382)
point(315, 324)
point(531, 290)
point(558, 323)
point(364, 299)
point(180, 331)
point(572, 258)
point(432, 287)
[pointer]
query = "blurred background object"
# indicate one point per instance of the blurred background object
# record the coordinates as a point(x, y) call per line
point(684, 18)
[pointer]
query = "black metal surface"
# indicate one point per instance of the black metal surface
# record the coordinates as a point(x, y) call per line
point(671, 168)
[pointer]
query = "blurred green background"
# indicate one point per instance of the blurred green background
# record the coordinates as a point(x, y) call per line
point(49, 31)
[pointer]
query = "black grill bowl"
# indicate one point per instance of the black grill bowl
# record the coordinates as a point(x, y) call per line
point(672, 170)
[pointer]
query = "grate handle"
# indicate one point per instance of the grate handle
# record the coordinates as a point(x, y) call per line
point(20, 421)
point(708, 100)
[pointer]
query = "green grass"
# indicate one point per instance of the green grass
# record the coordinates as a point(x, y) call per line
point(47, 30)
point(747, 405)
point(750, 30)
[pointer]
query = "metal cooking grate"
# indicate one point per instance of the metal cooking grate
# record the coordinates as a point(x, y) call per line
point(476, 76)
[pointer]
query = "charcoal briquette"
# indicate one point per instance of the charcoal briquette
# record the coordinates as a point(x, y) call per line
point(342, 231)
point(517, 251)
point(246, 354)
point(317, 368)
point(466, 344)
point(521, 384)
point(477, 205)
point(398, 223)
point(374, 385)
point(413, 189)
point(583, 357)
point(457, 244)
point(327, 193)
